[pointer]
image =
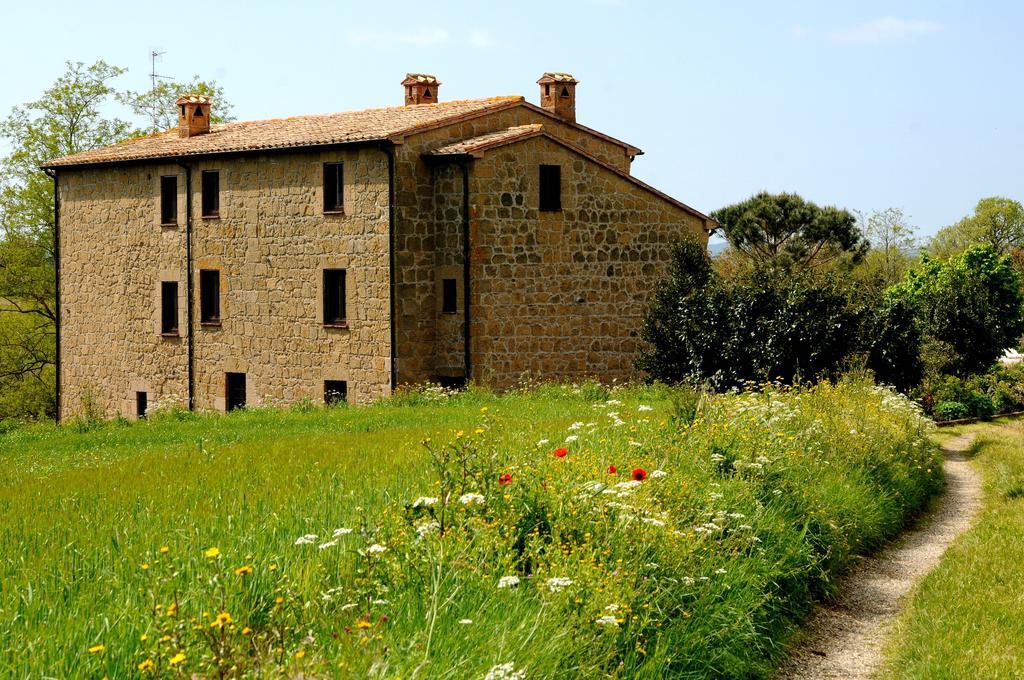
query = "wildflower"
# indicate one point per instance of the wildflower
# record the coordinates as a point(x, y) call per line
point(164, 550)
point(466, 622)
point(143, 637)
point(424, 501)
point(363, 624)
point(508, 581)
point(96, 649)
point(244, 570)
point(505, 479)
point(575, 426)
point(720, 571)
point(144, 566)
point(644, 407)
point(338, 533)
point(652, 521)
point(246, 630)
point(658, 473)
point(273, 567)
point(172, 609)
point(631, 484)
point(212, 552)
point(305, 540)
point(376, 549)
point(571, 438)
point(542, 442)
point(222, 620)
point(561, 453)
point(177, 658)
point(328, 544)
point(427, 528)
point(458, 435)
point(483, 409)
point(639, 474)
point(688, 581)
point(380, 603)
point(146, 665)
point(607, 620)
point(557, 583)
point(612, 469)
point(505, 671)
point(468, 498)
point(278, 600)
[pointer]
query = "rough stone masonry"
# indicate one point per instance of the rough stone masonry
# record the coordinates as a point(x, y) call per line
point(216, 266)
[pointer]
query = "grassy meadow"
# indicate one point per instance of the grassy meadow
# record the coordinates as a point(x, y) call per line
point(564, 531)
point(965, 617)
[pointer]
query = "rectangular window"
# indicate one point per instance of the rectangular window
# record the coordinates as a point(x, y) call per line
point(141, 404)
point(209, 296)
point(550, 187)
point(335, 391)
point(334, 297)
point(169, 307)
point(334, 198)
point(211, 193)
point(449, 296)
point(169, 200)
point(234, 391)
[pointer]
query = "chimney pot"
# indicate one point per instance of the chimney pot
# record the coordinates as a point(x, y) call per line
point(558, 94)
point(193, 115)
point(420, 88)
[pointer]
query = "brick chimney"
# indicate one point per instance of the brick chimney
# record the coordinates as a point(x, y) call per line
point(193, 115)
point(420, 88)
point(558, 94)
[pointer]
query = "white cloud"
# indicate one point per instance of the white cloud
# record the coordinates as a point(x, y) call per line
point(478, 37)
point(883, 29)
point(421, 38)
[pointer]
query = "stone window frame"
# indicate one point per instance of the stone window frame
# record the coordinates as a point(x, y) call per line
point(162, 171)
point(212, 262)
point(325, 263)
point(134, 387)
point(540, 188)
point(347, 162)
point(448, 272)
point(168, 275)
point(213, 321)
point(220, 193)
point(340, 373)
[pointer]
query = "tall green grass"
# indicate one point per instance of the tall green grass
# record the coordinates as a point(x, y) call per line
point(964, 619)
point(130, 540)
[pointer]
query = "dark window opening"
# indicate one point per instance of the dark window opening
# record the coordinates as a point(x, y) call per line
point(547, 90)
point(169, 200)
point(449, 296)
point(182, 110)
point(234, 391)
point(198, 112)
point(335, 391)
point(451, 383)
point(169, 307)
point(334, 197)
point(565, 92)
point(426, 94)
point(550, 187)
point(141, 404)
point(211, 193)
point(334, 297)
point(209, 296)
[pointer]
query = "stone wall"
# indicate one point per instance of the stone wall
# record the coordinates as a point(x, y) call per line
point(270, 242)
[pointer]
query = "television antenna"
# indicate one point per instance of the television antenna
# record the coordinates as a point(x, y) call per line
point(154, 77)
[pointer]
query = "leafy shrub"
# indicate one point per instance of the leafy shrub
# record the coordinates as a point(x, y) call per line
point(951, 410)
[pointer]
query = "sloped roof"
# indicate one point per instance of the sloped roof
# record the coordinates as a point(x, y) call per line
point(299, 131)
point(477, 146)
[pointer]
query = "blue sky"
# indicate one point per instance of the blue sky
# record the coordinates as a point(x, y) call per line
point(866, 105)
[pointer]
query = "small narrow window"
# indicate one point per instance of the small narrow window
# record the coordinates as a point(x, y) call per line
point(169, 200)
point(426, 94)
point(334, 198)
point(169, 307)
point(550, 187)
point(211, 193)
point(565, 91)
point(335, 391)
point(182, 110)
point(198, 113)
point(547, 89)
point(141, 404)
point(334, 297)
point(209, 296)
point(234, 391)
point(449, 296)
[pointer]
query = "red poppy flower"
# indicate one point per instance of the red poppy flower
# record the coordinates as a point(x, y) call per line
point(639, 474)
point(561, 453)
point(612, 469)
point(505, 479)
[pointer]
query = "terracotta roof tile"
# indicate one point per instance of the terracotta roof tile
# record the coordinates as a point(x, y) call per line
point(476, 145)
point(420, 79)
point(300, 131)
point(557, 78)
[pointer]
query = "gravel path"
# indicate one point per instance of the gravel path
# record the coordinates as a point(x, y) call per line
point(844, 638)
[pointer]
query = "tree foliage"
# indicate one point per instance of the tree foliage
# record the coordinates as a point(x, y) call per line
point(996, 221)
point(157, 105)
point(971, 302)
point(892, 241)
point(786, 232)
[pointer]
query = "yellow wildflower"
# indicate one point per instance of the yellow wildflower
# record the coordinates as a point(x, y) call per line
point(299, 654)
point(145, 566)
point(278, 600)
point(459, 434)
point(246, 630)
point(172, 609)
point(164, 550)
point(363, 623)
point(177, 658)
point(143, 637)
point(146, 665)
point(242, 571)
point(222, 620)
point(483, 409)
point(96, 649)
point(212, 552)
point(273, 567)
point(166, 638)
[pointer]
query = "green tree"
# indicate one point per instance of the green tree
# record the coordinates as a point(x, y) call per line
point(971, 302)
point(786, 232)
point(157, 106)
point(997, 221)
point(892, 243)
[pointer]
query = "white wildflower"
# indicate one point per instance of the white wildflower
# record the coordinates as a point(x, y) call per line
point(466, 622)
point(612, 608)
point(381, 602)
point(631, 484)
point(424, 501)
point(571, 438)
point(338, 533)
point(427, 528)
point(508, 581)
point(575, 426)
point(653, 522)
point(644, 407)
point(720, 571)
point(350, 605)
point(376, 549)
point(658, 473)
point(557, 583)
point(308, 539)
point(613, 402)
point(328, 544)
point(543, 442)
point(607, 620)
point(468, 498)
point(635, 444)
point(505, 671)
point(688, 581)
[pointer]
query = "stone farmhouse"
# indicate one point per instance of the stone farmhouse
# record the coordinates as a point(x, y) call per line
point(337, 256)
